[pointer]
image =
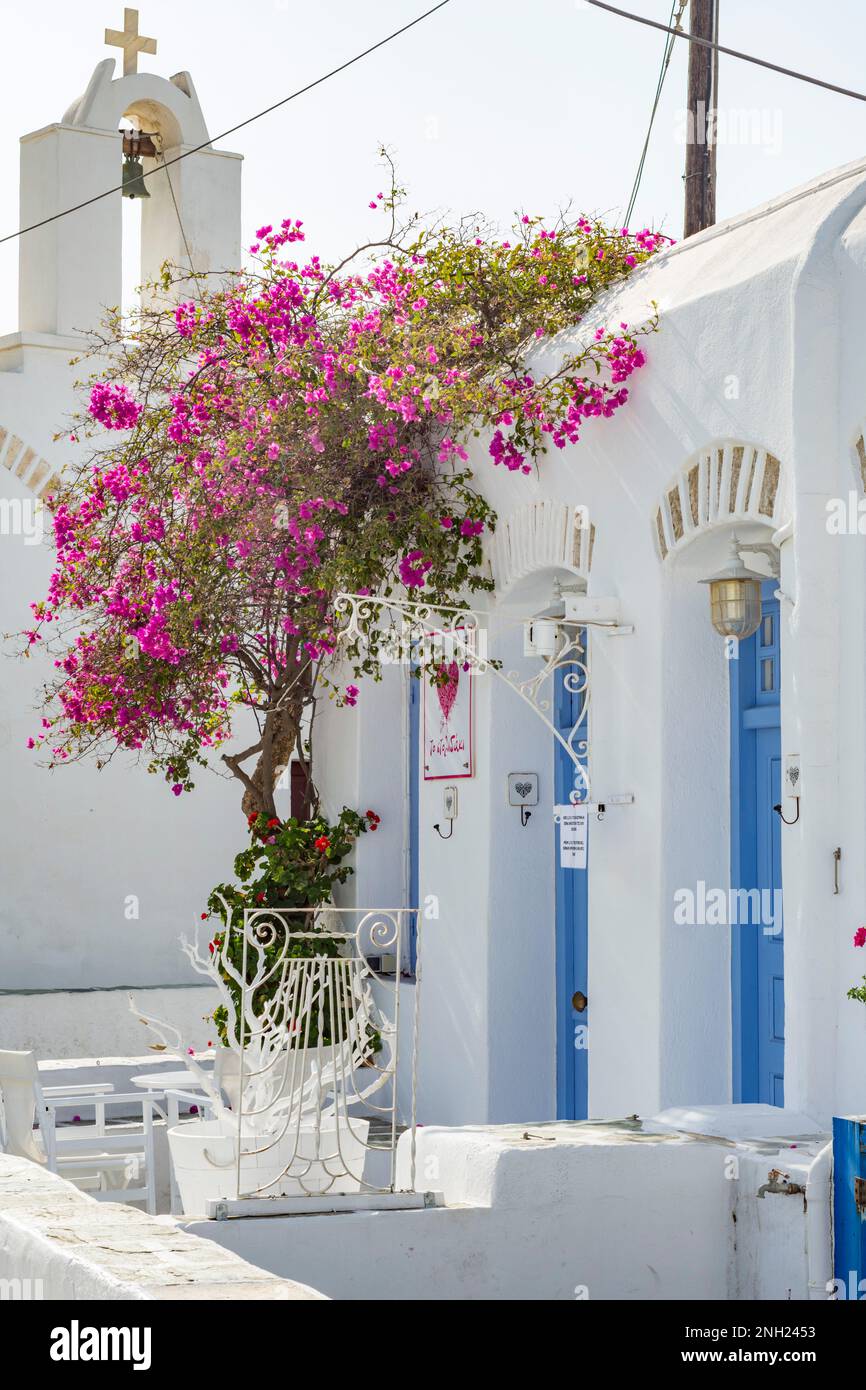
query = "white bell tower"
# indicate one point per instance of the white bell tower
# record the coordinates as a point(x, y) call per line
point(70, 271)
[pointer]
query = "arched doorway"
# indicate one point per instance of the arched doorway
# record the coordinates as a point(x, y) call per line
point(737, 487)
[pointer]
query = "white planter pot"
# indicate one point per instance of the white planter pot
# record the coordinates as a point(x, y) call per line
point(204, 1154)
point(291, 1074)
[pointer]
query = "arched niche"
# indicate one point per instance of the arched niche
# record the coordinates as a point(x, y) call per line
point(726, 483)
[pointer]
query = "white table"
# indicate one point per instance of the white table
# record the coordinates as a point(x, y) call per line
point(168, 1080)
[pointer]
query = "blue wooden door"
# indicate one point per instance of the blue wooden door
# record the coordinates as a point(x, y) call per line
point(849, 1215)
point(758, 987)
point(572, 1023)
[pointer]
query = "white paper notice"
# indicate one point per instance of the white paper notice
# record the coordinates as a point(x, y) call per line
point(573, 836)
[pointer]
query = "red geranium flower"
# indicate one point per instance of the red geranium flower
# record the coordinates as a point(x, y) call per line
point(860, 936)
point(323, 844)
point(273, 822)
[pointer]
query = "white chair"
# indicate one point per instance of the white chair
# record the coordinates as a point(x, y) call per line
point(102, 1162)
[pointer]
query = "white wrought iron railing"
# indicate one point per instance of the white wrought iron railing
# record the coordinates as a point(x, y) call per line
point(318, 1050)
point(306, 1086)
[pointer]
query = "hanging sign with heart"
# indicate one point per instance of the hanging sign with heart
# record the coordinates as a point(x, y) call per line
point(449, 681)
point(447, 710)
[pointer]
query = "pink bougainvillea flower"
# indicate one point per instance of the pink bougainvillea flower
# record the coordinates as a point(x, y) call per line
point(860, 936)
point(413, 569)
point(114, 407)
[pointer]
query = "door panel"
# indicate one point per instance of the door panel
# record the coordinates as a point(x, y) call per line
point(771, 992)
point(414, 776)
point(758, 989)
point(571, 935)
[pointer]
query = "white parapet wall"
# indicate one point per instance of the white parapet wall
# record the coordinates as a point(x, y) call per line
point(83, 1023)
point(568, 1212)
point(58, 1243)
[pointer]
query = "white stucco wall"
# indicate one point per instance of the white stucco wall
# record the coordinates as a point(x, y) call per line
point(565, 1212)
point(102, 870)
point(62, 1024)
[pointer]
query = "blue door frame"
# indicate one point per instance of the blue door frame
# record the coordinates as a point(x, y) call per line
point(414, 800)
point(572, 1055)
point(757, 957)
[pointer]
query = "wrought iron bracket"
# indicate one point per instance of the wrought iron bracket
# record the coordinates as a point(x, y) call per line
point(460, 629)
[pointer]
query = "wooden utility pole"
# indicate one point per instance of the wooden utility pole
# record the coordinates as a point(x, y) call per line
point(700, 178)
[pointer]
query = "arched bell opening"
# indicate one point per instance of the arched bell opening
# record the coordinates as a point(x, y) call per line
point(153, 220)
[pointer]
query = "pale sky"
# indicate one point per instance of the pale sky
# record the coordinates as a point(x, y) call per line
point(488, 105)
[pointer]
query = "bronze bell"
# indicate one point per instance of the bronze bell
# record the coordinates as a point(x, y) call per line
point(135, 144)
point(134, 185)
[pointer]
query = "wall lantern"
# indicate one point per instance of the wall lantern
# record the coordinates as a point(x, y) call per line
point(735, 592)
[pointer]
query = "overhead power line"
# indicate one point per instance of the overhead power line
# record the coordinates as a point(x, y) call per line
point(730, 52)
point(205, 144)
point(666, 59)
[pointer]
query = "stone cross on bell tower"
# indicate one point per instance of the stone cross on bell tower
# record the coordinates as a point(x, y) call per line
point(129, 39)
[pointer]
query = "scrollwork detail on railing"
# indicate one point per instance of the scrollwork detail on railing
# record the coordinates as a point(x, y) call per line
point(459, 631)
point(313, 1042)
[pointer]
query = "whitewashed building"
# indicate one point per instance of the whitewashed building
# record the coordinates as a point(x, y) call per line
point(748, 419)
point(572, 964)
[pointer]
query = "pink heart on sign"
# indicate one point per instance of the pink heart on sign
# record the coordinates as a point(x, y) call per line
point(447, 691)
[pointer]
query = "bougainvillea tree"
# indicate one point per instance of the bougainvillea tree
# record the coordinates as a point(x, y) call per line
point(255, 448)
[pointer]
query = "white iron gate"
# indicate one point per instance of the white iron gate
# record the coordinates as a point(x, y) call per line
point(315, 1051)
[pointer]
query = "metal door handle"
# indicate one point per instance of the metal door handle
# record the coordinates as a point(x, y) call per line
point(579, 1001)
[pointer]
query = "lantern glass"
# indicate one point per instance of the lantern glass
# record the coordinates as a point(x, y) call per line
point(735, 606)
